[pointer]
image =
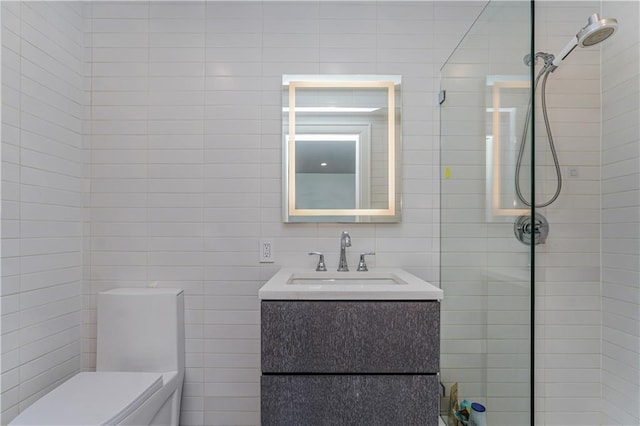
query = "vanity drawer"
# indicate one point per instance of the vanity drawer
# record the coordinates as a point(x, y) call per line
point(350, 336)
point(350, 400)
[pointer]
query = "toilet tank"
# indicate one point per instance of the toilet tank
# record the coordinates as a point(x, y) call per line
point(140, 329)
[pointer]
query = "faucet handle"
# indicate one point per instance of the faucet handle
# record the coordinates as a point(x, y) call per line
point(321, 266)
point(362, 265)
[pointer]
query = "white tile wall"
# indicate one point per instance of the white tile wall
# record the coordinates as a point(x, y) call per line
point(185, 161)
point(621, 218)
point(568, 303)
point(575, 340)
point(43, 102)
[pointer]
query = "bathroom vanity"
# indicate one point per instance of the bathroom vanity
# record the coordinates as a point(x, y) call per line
point(350, 348)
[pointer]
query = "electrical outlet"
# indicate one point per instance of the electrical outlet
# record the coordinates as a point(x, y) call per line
point(266, 251)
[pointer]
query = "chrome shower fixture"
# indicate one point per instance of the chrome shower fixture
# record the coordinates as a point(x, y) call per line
point(529, 229)
point(594, 32)
point(597, 30)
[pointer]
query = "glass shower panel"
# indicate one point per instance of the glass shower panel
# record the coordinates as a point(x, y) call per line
point(485, 270)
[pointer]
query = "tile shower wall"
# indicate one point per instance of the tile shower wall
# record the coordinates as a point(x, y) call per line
point(568, 274)
point(185, 161)
point(621, 218)
point(42, 112)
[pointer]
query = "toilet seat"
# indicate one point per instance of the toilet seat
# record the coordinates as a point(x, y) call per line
point(97, 398)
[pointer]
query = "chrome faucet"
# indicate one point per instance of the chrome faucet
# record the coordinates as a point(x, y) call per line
point(345, 241)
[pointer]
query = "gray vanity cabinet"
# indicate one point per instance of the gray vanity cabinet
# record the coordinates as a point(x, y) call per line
point(350, 362)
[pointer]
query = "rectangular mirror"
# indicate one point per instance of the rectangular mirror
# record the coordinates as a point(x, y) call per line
point(341, 145)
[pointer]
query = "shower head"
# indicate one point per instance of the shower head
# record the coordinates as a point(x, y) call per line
point(594, 32)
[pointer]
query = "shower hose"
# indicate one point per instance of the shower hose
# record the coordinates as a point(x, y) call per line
point(547, 69)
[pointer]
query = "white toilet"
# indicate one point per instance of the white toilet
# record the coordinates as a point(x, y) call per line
point(140, 366)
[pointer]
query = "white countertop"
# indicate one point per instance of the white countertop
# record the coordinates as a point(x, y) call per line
point(376, 284)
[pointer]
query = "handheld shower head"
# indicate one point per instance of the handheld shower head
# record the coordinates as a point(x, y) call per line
point(594, 32)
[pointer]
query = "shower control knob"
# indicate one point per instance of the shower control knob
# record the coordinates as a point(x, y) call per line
point(527, 230)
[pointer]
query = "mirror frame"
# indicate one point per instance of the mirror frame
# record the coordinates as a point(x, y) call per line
point(384, 82)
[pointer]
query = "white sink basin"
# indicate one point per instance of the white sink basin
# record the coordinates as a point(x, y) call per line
point(344, 278)
point(378, 284)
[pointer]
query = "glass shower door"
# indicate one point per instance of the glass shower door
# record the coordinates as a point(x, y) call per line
point(485, 271)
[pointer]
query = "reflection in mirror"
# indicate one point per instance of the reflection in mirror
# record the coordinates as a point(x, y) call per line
point(341, 139)
point(506, 114)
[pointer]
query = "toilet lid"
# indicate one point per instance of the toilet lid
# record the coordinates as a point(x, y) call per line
point(98, 398)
